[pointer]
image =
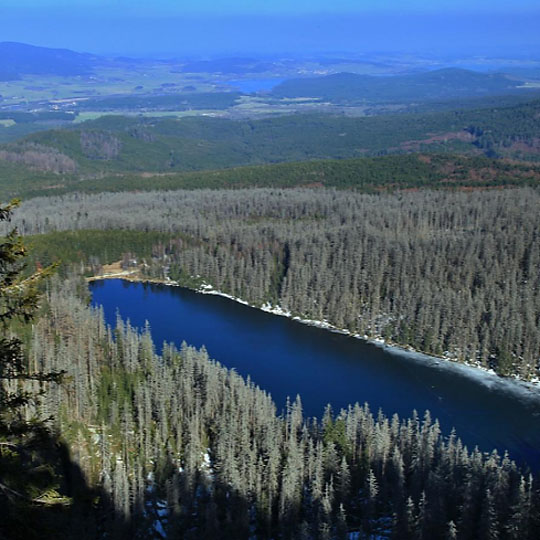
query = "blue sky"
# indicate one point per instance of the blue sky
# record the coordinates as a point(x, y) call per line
point(225, 27)
point(274, 6)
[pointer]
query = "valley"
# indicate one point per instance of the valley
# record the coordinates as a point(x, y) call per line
point(387, 203)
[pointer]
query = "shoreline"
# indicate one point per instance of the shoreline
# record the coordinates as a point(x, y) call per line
point(467, 368)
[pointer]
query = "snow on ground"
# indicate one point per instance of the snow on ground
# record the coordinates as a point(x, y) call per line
point(487, 377)
point(206, 468)
point(156, 507)
point(205, 288)
point(481, 375)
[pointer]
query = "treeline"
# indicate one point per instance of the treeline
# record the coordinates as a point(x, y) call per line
point(39, 157)
point(94, 248)
point(452, 274)
point(352, 88)
point(21, 117)
point(184, 448)
point(202, 143)
point(17, 124)
point(455, 104)
point(171, 102)
point(386, 173)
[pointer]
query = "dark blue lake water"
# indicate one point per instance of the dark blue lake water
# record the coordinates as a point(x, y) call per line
point(288, 358)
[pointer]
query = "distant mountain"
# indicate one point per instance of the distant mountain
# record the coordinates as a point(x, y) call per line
point(439, 84)
point(17, 59)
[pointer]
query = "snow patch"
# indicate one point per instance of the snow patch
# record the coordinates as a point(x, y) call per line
point(529, 388)
point(206, 288)
point(275, 310)
point(206, 469)
point(471, 369)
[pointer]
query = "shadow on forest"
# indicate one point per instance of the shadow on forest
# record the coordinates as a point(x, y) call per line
point(75, 510)
point(191, 508)
point(200, 508)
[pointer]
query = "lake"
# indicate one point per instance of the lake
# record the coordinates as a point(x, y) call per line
point(286, 358)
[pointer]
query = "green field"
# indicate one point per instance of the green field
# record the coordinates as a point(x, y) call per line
point(105, 81)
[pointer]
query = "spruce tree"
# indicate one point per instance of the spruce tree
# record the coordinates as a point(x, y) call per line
point(25, 480)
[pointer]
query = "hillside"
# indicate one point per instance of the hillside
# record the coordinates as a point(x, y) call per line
point(438, 84)
point(355, 260)
point(386, 173)
point(17, 59)
point(115, 144)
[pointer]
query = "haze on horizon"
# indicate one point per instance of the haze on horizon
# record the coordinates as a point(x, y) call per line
point(226, 27)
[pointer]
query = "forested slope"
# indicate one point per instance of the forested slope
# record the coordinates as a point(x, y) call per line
point(118, 144)
point(183, 447)
point(387, 173)
point(437, 84)
point(18, 59)
point(445, 273)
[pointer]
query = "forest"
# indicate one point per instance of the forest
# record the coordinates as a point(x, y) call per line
point(112, 145)
point(369, 175)
point(177, 102)
point(433, 85)
point(416, 225)
point(453, 274)
point(177, 446)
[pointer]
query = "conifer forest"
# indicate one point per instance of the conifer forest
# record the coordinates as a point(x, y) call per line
point(182, 447)
point(177, 446)
point(390, 199)
point(447, 273)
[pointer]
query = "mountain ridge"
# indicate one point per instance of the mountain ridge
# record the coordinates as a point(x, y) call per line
point(436, 84)
point(18, 59)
